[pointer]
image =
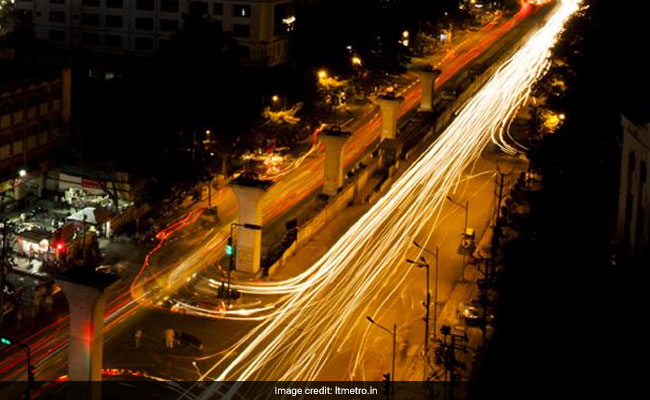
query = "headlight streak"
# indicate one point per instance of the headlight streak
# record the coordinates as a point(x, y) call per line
point(359, 270)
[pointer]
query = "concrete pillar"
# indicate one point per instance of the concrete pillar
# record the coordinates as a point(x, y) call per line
point(250, 193)
point(391, 151)
point(428, 76)
point(334, 140)
point(389, 105)
point(86, 292)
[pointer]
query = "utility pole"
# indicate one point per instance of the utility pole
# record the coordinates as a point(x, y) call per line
point(447, 352)
point(499, 190)
point(435, 297)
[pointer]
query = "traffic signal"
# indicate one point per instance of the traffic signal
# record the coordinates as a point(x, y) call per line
point(229, 247)
point(385, 380)
point(6, 341)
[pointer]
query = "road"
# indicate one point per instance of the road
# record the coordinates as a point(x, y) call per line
point(358, 276)
point(196, 247)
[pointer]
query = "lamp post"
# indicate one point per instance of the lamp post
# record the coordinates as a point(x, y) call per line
point(394, 333)
point(198, 371)
point(425, 265)
point(435, 290)
point(466, 207)
point(231, 264)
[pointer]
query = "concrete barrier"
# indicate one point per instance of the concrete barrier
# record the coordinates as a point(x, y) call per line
point(336, 204)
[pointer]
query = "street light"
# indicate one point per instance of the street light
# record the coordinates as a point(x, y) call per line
point(466, 207)
point(394, 333)
point(275, 98)
point(197, 370)
point(356, 61)
point(424, 264)
point(22, 173)
point(322, 74)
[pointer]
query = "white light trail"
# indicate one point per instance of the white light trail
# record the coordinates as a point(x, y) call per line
point(356, 276)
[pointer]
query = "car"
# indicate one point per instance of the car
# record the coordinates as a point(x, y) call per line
point(473, 313)
point(450, 93)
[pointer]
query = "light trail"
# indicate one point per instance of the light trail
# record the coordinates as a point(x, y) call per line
point(297, 183)
point(357, 275)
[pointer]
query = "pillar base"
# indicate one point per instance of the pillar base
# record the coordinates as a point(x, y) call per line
point(250, 193)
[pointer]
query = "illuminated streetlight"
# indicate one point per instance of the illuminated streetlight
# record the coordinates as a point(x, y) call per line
point(405, 34)
point(322, 74)
point(356, 61)
point(22, 173)
point(275, 98)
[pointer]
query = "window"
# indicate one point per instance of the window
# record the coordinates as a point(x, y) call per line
point(169, 5)
point(113, 40)
point(5, 108)
point(90, 3)
point(217, 8)
point(57, 1)
point(144, 23)
point(243, 52)
point(56, 35)
point(241, 10)
point(90, 19)
point(114, 3)
point(243, 31)
point(143, 43)
point(199, 7)
point(144, 4)
point(113, 21)
point(168, 25)
point(89, 38)
point(163, 44)
point(32, 100)
point(57, 16)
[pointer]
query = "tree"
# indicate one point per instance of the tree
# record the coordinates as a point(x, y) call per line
point(283, 127)
point(16, 28)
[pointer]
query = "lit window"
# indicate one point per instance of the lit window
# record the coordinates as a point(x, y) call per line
point(241, 10)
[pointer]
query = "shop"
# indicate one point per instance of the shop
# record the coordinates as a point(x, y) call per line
point(93, 219)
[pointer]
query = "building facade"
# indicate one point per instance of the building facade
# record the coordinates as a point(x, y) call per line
point(634, 195)
point(144, 27)
point(34, 124)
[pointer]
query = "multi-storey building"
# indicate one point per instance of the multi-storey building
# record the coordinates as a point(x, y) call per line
point(144, 27)
point(34, 122)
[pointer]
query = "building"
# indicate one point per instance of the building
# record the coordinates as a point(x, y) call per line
point(634, 195)
point(144, 27)
point(34, 124)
